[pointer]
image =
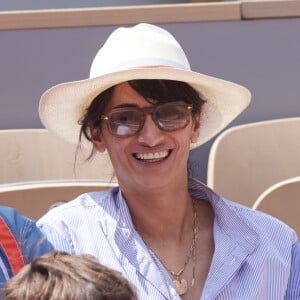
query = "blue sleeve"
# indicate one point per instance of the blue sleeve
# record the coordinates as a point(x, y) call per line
point(34, 242)
point(29, 237)
point(293, 288)
point(19, 238)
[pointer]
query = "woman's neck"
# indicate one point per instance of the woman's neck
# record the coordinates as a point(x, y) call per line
point(160, 214)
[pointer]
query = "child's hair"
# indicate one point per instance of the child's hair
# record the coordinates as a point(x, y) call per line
point(61, 276)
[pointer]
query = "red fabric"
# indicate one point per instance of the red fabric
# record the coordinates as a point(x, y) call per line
point(10, 247)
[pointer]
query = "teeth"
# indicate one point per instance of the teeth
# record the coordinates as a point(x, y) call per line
point(151, 156)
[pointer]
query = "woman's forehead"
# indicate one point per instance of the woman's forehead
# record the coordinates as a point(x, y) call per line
point(123, 93)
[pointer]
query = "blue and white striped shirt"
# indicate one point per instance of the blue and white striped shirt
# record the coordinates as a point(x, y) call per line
point(256, 256)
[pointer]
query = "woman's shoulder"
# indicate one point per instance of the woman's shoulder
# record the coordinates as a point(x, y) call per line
point(265, 225)
point(237, 217)
point(87, 203)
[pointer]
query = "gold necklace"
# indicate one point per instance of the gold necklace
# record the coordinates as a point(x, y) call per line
point(181, 283)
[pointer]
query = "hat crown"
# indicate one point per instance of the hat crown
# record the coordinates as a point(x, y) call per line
point(138, 46)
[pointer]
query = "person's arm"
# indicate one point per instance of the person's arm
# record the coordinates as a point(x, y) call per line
point(32, 241)
point(20, 242)
point(293, 288)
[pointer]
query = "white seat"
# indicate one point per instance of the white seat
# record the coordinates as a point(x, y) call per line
point(33, 199)
point(36, 154)
point(245, 160)
point(282, 200)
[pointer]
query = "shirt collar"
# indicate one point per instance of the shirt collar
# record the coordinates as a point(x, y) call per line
point(228, 216)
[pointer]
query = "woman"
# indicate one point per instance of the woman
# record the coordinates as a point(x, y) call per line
point(170, 235)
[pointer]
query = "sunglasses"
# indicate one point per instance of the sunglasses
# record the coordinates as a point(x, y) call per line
point(129, 121)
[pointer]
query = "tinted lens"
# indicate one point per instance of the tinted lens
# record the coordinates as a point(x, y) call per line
point(125, 121)
point(172, 116)
point(128, 121)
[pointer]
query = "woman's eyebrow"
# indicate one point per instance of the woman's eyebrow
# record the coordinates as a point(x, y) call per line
point(125, 105)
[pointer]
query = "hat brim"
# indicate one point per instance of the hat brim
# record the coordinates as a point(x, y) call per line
point(62, 106)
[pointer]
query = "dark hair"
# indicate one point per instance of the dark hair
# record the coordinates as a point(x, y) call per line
point(153, 90)
point(61, 276)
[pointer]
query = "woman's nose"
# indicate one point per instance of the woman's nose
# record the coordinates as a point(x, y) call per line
point(150, 135)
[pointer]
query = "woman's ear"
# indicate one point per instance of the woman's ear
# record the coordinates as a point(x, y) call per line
point(97, 139)
point(195, 128)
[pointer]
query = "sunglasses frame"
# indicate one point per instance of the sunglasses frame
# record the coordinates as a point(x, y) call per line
point(146, 111)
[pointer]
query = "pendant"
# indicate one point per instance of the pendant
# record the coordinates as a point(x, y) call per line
point(181, 286)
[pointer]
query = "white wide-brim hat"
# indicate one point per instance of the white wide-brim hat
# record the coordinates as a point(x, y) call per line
point(143, 51)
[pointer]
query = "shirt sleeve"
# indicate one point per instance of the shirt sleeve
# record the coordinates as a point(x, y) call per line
point(293, 288)
point(33, 241)
point(59, 242)
point(21, 242)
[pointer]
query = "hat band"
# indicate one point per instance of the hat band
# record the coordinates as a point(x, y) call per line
point(137, 63)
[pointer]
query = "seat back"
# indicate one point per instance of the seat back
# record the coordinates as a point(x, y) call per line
point(245, 160)
point(36, 154)
point(282, 200)
point(33, 199)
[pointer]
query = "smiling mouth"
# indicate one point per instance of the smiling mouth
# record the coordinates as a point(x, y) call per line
point(152, 157)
